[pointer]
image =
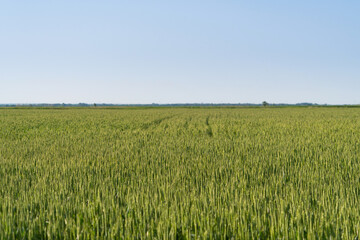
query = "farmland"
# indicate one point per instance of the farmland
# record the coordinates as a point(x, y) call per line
point(180, 173)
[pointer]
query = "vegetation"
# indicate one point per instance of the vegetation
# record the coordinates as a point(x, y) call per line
point(214, 173)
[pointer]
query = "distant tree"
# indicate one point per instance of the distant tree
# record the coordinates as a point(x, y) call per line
point(94, 104)
point(265, 104)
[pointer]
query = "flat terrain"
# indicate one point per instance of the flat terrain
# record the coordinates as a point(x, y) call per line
point(180, 173)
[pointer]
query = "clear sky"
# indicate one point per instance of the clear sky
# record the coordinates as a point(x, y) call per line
point(188, 51)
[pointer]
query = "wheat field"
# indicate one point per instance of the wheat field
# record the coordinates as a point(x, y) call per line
point(180, 173)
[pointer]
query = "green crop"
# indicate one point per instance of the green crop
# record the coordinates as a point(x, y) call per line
point(180, 173)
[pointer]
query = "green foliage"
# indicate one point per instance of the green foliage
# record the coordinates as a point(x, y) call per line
point(278, 173)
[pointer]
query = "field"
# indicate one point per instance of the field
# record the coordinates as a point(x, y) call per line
point(180, 173)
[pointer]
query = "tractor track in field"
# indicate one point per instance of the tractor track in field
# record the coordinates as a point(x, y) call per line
point(155, 122)
point(209, 129)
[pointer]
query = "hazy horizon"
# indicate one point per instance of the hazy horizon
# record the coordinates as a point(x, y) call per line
point(179, 52)
point(176, 103)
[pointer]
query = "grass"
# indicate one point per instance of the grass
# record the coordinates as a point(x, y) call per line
point(180, 173)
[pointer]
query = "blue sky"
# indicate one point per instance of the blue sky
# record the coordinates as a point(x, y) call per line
point(179, 51)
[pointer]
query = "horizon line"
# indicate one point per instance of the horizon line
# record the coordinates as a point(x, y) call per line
point(178, 103)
